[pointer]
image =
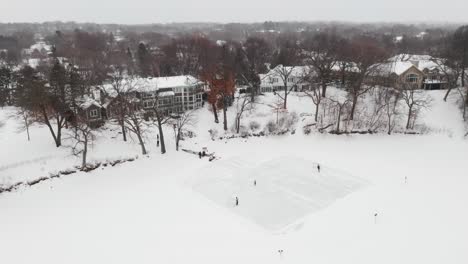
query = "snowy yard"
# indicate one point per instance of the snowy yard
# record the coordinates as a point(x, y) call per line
point(378, 198)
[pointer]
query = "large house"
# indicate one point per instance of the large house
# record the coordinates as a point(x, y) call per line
point(171, 95)
point(420, 71)
point(274, 80)
point(174, 94)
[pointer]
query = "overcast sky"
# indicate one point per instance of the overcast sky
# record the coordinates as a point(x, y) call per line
point(156, 11)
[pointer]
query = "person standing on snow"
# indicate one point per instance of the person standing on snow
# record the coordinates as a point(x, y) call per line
point(318, 167)
point(237, 201)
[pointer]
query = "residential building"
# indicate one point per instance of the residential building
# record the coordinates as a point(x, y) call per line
point(274, 80)
point(172, 95)
point(421, 71)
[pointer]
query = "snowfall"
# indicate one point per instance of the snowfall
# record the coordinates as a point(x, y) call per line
point(376, 199)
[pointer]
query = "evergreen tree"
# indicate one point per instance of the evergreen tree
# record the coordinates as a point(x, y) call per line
point(5, 82)
point(144, 61)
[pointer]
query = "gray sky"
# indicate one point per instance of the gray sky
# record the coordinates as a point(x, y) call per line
point(156, 11)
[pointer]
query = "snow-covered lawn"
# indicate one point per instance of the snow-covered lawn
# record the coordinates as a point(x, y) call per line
point(378, 198)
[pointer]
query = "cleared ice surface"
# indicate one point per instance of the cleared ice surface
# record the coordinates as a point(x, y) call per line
point(275, 193)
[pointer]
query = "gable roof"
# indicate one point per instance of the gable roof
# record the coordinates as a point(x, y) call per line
point(88, 102)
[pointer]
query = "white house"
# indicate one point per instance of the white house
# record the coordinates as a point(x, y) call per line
point(274, 79)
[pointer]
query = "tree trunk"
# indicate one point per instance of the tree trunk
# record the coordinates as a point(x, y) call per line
point(285, 96)
point(59, 131)
point(324, 89)
point(253, 93)
point(343, 74)
point(238, 121)
point(215, 112)
point(142, 144)
point(161, 134)
point(353, 107)
point(27, 131)
point(389, 122)
point(46, 121)
point(447, 93)
point(316, 111)
point(463, 67)
point(177, 141)
point(408, 122)
point(26, 124)
point(225, 117)
point(339, 120)
point(140, 139)
point(85, 152)
point(465, 102)
point(124, 134)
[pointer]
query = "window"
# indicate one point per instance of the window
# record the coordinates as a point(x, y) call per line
point(147, 95)
point(411, 78)
point(94, 113)
point(148, 104)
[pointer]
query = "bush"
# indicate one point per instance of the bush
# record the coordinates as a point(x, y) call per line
point(213, 133)
point(271, 127)
point(288, 121)
point(307, 130)
point(254, 126)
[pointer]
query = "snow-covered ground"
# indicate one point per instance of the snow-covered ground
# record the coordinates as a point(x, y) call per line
point(378, 198)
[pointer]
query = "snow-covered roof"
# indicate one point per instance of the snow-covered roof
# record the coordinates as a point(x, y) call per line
point(152, 84)
point(220, 42)
point(88, 102)
point(166, 93)
point(173, 81)
point(398, 38)
point(294, 71)
point(401, 63)
point(350, 66)
point(41, 45)
point(410, 57)
point(33, 63)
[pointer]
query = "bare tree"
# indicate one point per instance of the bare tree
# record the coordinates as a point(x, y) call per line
point(82, 136)
point(289, 79)
point(366, 53)
point(180, 123)
point(251, 60)
point(27, 119)
point(121, 92)
point(161, 120)
point(243, 101)
point(135, 123)
point(464, 98)
point(415, 99)
point(313, 93)
point(339, 104)
point(34, 94)
point(391, 102)
point(277, 108)
point(322, 53)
